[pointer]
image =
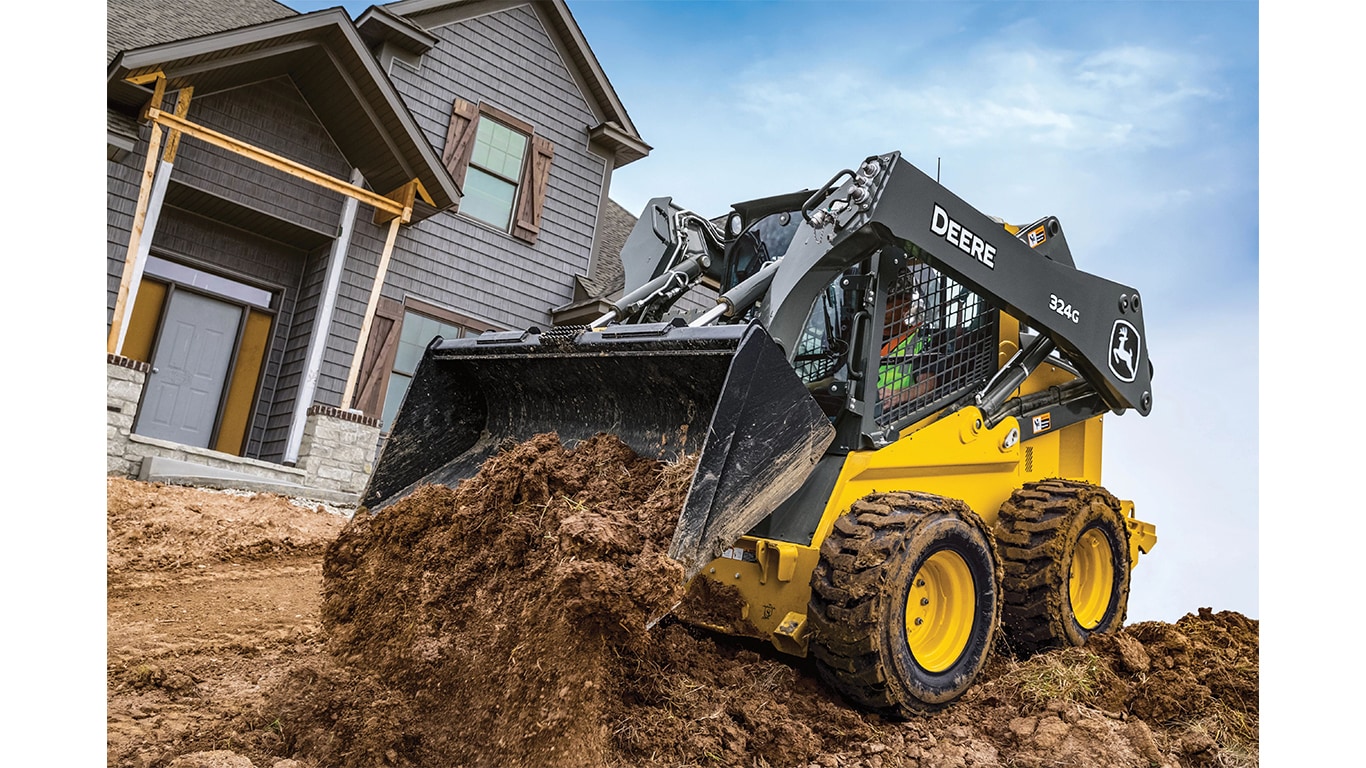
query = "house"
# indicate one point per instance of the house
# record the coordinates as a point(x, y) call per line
point(298, 203)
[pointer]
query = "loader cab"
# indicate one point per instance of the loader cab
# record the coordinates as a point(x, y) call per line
point(924, 340)
point(938, 341)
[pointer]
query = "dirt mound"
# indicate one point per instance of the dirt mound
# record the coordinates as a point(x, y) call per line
point(495, 610)
point(502, 623)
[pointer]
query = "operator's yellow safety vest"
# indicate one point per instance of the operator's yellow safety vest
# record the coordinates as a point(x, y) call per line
point(896, 371)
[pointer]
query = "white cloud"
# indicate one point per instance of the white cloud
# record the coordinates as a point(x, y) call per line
point(1127, 98)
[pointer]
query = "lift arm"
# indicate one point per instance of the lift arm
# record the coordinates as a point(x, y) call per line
point(890, 204)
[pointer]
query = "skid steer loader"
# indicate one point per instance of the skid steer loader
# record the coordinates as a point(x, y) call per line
point(896, 403)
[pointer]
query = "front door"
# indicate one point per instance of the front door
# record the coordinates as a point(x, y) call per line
point(189, 369)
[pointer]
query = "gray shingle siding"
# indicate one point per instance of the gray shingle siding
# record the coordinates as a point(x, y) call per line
point(508, 60)
point(123, 180)
point(271, 115)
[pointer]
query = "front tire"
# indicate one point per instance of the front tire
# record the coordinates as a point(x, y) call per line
point(1065, 551)
point(904, 602)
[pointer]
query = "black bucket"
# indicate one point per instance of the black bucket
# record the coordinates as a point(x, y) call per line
point(726, 392)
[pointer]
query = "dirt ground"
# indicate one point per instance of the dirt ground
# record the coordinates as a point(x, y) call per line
point(502, 623)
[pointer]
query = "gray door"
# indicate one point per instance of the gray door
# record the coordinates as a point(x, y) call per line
point(189, 369)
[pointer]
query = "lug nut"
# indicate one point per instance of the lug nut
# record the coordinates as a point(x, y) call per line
point(924, 601)
point(918, 622)
point(920, 582)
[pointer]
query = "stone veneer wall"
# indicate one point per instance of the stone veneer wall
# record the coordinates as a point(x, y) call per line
point(126, 379)
point(338, 449)
point(337, 453)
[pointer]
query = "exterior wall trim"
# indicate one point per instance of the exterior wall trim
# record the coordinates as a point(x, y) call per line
point(337, 413)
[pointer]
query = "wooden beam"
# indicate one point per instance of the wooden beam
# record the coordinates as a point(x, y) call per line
point(404, 195)
point(351, 376)
point(298, 170)
point(182, 107)
point(121, 308)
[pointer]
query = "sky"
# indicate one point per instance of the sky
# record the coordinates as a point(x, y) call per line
point(1135, 123)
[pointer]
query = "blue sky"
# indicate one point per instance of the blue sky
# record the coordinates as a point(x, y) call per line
point(1135, 123)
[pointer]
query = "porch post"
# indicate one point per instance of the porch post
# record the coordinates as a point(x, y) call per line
point(151, 195)
point(322, 324)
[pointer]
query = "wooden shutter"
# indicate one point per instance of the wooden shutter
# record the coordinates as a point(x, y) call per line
point(535, 177)
point(378, 361)
point(460, 139)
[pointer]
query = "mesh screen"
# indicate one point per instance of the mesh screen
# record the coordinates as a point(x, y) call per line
point(939, 340)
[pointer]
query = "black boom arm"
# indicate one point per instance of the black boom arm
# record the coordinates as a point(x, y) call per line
point(1095, 323)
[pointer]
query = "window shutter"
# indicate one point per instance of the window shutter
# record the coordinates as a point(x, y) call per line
point(373, 378)
point(459, 139)
point(535, 177)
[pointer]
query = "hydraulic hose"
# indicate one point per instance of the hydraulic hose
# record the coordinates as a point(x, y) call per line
point(739, 298)
point(1012, 375)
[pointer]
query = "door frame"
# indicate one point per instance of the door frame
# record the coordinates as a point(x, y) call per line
point(245, 309)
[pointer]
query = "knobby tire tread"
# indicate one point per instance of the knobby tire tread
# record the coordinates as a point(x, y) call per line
point(844, 617)
point(1028, 534)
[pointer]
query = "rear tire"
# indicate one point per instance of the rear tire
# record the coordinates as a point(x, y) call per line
point(904, 602)
point(1065, 550)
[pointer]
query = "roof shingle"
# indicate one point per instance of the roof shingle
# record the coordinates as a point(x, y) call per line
point(138, 23)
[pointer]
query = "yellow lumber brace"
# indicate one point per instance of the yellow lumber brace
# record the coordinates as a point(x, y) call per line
point(149, 172)
point(130, 259)
point(273, 160)
point(182, 108)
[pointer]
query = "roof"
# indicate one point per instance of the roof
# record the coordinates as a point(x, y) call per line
point(140, 23)
point(606, 276)
point(326, 58)
point(616, 132)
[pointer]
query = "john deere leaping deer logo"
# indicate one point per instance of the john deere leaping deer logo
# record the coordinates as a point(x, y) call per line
point(1126, 350)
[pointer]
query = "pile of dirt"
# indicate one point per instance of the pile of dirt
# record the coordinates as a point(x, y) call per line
point(503, 623)
point(493, 613)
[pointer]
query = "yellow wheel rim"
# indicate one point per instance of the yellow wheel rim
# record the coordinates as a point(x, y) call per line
point(1092, 579)
point(939, 611)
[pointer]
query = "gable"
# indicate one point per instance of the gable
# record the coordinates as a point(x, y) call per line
point(503, 25)
point(328, 62)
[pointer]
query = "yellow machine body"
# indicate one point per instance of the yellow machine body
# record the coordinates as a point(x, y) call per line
point(953, 455)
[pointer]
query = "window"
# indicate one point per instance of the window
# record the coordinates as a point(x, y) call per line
point(501, 165)
point(494, 171)
point(417, 332)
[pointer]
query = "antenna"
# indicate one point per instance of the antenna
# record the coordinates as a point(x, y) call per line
point(938, 161)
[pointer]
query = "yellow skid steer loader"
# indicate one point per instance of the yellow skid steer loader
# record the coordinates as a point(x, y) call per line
point(897, 407)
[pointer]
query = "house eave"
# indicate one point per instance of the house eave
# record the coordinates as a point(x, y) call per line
point(328, 61)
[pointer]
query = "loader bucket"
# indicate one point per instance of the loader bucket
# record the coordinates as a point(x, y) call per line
point(725, 392)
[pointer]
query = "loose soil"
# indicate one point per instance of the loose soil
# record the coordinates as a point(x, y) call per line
point(503, 623)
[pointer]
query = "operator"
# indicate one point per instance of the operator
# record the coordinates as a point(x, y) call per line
point(903, 344)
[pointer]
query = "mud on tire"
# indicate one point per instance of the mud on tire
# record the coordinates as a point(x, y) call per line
point(1045, 532)
point(903, 573)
